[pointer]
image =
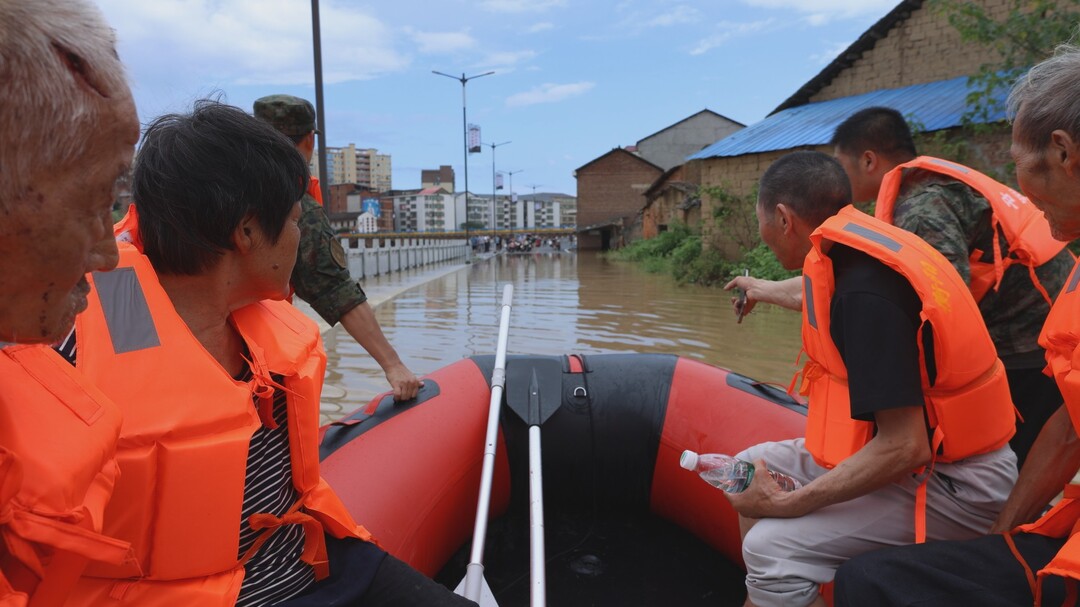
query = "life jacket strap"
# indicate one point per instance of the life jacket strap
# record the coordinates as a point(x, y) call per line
point(263, 388)
point(314, 552)
point(920, 493)
point(1032, 583)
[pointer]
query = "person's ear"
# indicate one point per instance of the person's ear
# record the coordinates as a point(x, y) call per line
point(869, 161)
point(1064, 151)
point(784, 217)
point(245, 237)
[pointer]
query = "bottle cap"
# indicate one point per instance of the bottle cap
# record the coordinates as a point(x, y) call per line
point(688, 460)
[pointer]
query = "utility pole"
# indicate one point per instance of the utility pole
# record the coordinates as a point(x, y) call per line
point(320, 113)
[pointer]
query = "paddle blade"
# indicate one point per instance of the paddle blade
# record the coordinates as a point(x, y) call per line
point(487, 599)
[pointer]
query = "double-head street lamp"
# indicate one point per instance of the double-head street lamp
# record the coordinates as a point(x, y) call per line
point(463, 79)
point(493, 190)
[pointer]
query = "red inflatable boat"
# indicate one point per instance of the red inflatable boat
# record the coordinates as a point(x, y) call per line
point(624, 524)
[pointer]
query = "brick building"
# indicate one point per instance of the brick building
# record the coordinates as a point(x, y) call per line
point(443, 177)
point(673, 197)
point(912, 59)
point(610, 193)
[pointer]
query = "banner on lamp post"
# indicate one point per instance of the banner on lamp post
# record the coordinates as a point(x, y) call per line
point(498, 181)
point(474, 139)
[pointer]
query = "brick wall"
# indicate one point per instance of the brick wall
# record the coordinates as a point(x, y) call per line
point(987, 152)
point(737, 175)
point(612, 187)
point(924, 48)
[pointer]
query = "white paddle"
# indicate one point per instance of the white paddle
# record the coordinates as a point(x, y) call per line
point(474, 587)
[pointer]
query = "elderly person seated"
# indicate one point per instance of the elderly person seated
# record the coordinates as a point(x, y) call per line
point(219, 383)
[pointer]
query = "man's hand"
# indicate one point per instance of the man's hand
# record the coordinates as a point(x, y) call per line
point(784, 293)
point(403, 381)
point(764, 498)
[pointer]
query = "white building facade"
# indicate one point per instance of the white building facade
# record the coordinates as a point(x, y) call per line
point(429, 210)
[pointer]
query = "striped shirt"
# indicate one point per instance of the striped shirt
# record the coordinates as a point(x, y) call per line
point(274, 573)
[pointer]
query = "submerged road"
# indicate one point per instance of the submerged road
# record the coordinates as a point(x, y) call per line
point(563, 303)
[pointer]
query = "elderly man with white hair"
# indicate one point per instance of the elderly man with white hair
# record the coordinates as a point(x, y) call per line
point(1025, 562)
point(68, 126)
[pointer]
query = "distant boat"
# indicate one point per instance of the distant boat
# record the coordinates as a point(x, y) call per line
point(624, 524)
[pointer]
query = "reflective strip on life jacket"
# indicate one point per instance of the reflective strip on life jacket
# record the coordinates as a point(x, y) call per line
point(131, 327)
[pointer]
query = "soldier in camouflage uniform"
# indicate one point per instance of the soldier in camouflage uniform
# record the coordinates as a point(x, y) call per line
point(321, 276)
point(955, 220)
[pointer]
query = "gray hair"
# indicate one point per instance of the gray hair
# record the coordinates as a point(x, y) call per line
point(1049, 96)
point(58, 64)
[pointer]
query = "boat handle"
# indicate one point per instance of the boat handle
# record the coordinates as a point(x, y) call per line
point(579, 392)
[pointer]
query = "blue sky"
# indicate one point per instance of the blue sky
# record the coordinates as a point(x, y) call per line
point(573, 78)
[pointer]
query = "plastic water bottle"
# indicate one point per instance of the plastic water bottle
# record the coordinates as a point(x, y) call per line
point(729, 473)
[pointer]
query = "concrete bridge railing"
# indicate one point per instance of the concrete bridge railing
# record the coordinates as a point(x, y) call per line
point(381, 256)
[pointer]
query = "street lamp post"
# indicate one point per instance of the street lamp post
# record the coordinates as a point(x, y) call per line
point(463, 79)
point(493, 190)
point(511, 174)
point(534, 186)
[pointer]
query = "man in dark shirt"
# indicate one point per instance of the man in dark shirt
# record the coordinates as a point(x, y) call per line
point(794, 541)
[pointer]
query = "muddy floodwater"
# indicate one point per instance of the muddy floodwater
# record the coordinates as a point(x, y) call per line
point(563, 303)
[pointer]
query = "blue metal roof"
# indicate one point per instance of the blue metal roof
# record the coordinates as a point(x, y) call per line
point(934, 105)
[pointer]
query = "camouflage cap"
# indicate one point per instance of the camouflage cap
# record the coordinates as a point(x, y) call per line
point(292, 116)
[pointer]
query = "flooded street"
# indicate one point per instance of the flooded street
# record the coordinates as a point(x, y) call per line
point(563, 303)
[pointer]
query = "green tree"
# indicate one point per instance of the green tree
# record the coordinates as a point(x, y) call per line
point(1027, 34)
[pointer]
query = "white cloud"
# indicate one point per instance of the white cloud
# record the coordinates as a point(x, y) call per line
point(549, 93)
point(681, 14)
point(250, 41)
point(726, 30)
point(506, 59)
point(822, 11)
point(539, 27)
point(521, 6)
point(433, 43)
point(634, 22)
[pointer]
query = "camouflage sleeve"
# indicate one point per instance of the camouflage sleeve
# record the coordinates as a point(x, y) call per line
point(946, 221)
point(321, 276)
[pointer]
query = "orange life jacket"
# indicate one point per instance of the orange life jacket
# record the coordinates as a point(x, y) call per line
point(127, 229)
point(314, 190)
point(184, 444)
point(1061, 339)
point(1025, 228)
point(968, 406)
point(57, 469)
